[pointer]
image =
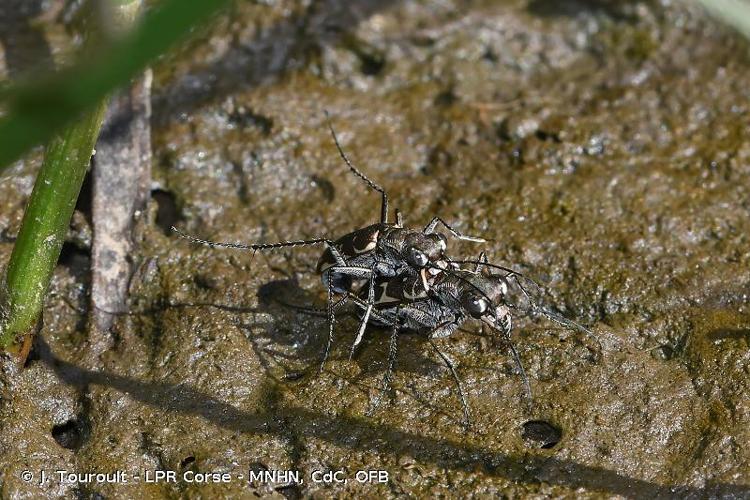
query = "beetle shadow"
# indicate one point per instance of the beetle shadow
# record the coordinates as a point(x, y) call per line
point(295, 336)
point(363, 433)
point(289, 329)
point(298, 329)
point(288, 333)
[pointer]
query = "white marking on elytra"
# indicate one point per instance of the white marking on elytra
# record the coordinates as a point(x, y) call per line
point(384, 297)
point(371, 244)
point(423, 275)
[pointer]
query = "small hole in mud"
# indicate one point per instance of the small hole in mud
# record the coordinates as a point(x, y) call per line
point(207, 281)
point(371, 64)
point(541, 434)
point(187, 461)
point(167, 213)
point(247, 118)
point(293, 376)
point(74, 258)
point(71, 434)
point(85, 494)
point(543, 135)
point(446, 98)
point(326, 187)
point(257, 467)
point(285, 293)
point(292, 491)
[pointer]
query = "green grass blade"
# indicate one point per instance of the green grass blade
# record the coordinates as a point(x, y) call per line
point(36, 110)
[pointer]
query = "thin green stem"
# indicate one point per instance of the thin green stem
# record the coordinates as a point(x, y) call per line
point(45, 224)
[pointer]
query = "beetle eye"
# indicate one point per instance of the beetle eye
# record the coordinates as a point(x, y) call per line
point(477, 306)
point(417, 258)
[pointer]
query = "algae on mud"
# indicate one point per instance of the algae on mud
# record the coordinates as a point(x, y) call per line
point(600, 145)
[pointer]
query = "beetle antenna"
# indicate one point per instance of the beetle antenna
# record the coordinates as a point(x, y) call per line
point(358, 173)
point(252, 246)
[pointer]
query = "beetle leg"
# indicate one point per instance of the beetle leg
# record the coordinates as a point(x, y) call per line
point(481, 260)
point(353, 271)
point(429, 228)
point(506, 325)
point(359, 272)
point(315, 311)
point(444, 330)
point(366, 316)
point(451, 367)
point(331, 320)
point(388, 376)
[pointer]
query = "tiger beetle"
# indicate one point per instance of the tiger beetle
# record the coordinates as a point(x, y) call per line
point(355, 261)
point(453, 296)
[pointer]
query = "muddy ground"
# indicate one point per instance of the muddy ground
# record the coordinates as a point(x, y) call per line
point(601, 146)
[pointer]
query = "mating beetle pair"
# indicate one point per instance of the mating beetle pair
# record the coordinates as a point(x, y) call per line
point(403, 279)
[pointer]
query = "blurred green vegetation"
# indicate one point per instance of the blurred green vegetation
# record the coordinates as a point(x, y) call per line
point(37, 109)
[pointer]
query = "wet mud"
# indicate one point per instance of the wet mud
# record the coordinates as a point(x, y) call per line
point(600, 146)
